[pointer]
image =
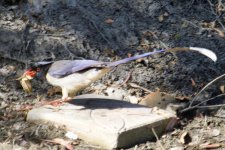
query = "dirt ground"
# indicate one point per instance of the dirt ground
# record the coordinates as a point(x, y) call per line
point(107, 31)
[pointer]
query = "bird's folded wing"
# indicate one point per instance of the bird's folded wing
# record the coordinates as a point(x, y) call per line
point(66, 67)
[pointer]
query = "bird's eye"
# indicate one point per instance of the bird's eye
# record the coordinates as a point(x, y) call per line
point(38, 69)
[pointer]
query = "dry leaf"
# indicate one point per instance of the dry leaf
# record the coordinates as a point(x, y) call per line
point(222, 89)
point(161, 18)
point(109, 21)
point(27, 87)
point(185, 138)
point(193, 82)
point(220, 33)
point(157, 99)
point(63, 142)
point(210, 146)
point(129, 55)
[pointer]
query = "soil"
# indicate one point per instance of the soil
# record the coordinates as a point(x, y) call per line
point(108, 31)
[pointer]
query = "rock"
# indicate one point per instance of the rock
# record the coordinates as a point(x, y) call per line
point(105, 122)
point(7, 70)
point(5, 146)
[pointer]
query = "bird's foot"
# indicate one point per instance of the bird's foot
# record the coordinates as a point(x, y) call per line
point(25, 108)
point(55, 103)
point(58, 102)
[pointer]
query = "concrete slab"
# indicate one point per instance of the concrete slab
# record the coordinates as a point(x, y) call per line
point(105, 122)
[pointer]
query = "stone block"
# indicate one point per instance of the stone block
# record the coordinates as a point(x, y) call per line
point(105, 122)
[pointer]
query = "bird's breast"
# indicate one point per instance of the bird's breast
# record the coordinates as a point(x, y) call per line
point(78, 80)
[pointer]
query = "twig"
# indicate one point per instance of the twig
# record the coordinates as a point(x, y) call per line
point(127, 78)
point(137, 86)
point(220, 33)
point(27, 45)
point(25, 41)
point(65, 35)
point(157, 138)
point(210, 83)
point(217, 17)
point(219, 111)
point(197, 105)
point(220, 24)
point(87, 15)
point(191, 23)
point(211, 106)
point(71, 55)
point(211, 7)
point(191, 3)
point(13, 59)
point(103, 36)
point(156, 37)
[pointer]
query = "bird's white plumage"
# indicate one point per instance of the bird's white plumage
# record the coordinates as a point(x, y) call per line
point(75, 82)
point(205, 52)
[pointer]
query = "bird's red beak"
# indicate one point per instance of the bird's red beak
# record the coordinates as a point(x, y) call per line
point(30, 73)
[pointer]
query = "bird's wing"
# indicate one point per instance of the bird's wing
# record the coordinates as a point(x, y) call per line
point(66, 67)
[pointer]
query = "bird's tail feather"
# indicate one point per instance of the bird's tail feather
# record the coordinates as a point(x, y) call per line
point(123, 61)
point(203, 51)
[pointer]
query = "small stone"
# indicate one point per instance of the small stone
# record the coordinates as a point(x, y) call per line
point(115, 93)
point(177, 148)
point(214, 132)
point(133, 99)
point(71, 135)
point(166, 14)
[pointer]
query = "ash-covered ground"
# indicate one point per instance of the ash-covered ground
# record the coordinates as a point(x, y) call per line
point(108, 31)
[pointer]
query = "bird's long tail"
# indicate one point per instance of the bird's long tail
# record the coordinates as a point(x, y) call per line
point(203, 51)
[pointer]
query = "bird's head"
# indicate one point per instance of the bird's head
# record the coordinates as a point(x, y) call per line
point(37, 69)
point(31, 73)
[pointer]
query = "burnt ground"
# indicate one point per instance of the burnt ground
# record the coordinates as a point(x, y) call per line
point(107, 31)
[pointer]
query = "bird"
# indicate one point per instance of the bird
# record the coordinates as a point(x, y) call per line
point(74, 75)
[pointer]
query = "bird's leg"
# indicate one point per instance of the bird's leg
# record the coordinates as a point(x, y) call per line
point(65, 93)
point(65, 98)
point(57, 102)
